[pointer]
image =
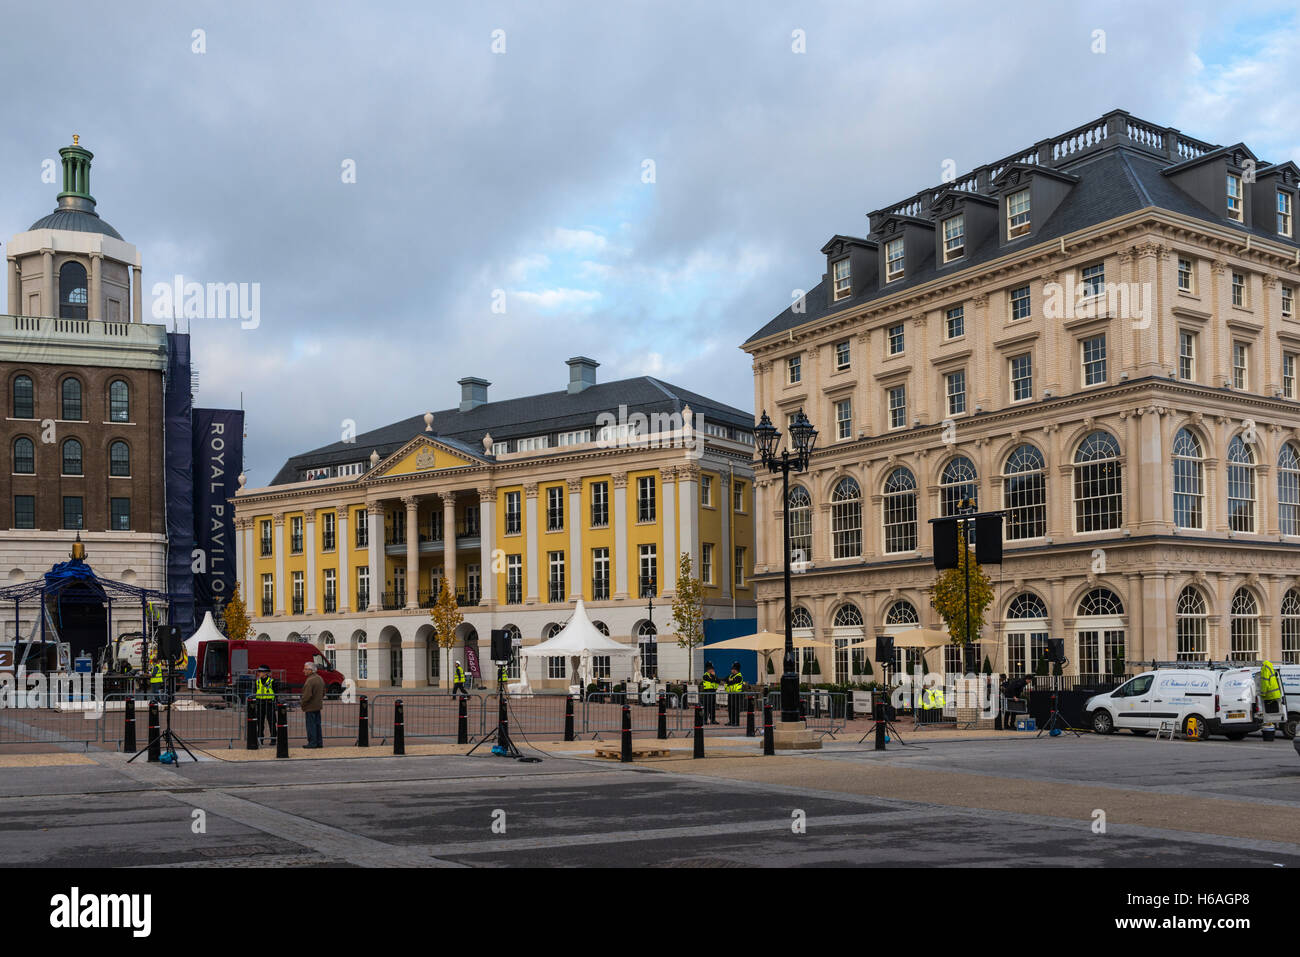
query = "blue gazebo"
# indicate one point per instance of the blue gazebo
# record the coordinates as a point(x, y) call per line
point(74, 603)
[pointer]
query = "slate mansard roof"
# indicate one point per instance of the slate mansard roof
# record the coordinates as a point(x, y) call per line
point(533, 415)
point(1112, 166)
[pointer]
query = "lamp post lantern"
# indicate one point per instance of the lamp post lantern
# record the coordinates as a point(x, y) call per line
point(793, 458)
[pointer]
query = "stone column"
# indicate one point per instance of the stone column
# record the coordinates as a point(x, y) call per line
point(50, 305)
point(531, 561)
point(487, 523)
point(375, 516)
point(576, 562)
point(667, 583)
point(240, 536)
point(137, 296)
point(344, 545)
point(252, 587)
point(688, 485)
point(724, 497)
point(95, 308)
point(15, 288)
point(309, 545)
point(412, 504)
point(278, 520)
point(620, 531)
point(449, 541)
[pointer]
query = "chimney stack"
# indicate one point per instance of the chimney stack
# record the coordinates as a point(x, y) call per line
point(473, 392)
point(582, 373)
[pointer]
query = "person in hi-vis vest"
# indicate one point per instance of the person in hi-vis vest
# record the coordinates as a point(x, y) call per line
point(709, 693)
point(264, 702)
point(735, 688)
point(458, 679)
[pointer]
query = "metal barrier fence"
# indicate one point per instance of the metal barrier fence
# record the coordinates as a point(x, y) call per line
point(824, 711)
point(423, 716)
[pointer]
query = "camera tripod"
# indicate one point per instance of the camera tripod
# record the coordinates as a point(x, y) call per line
point(1055, 722)
point(167, 736)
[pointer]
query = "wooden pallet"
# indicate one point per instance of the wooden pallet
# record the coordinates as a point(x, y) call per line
point(615, 752)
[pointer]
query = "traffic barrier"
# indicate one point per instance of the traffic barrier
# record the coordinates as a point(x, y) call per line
point(822, 710)
point(363, 722)
point(602, 712)
point(399, 730)
point(462, 720)
point(281, 732)
point(435, 715)
point(699, 732)
point(128, 726)
point(154, 743)
point(568, 718)
point(626, 756)
point(749, 715)
point(769, 745)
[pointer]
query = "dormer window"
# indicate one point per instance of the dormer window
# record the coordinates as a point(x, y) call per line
point(954, 237)
point(894, 259)
point(843, 286)
point(1234, 197)
point(1018, 214)
point(1283, 213)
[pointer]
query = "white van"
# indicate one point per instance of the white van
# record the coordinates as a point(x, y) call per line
point(1289, 675)
point(1200, 702)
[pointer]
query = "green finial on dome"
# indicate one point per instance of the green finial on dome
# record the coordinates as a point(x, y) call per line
point(76, 175)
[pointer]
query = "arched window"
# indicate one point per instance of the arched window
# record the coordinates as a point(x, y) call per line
point(800, 525)
point(1288, 490)
point(602, 628)
point(1189, 481)
point(1027, 606)
point(646, 629)
point(515, 635)
point(1101, 641)
point(848, 616)
point(549, 630)
point(902, 612)
point(119, 402)
point(957, 482)
point(24, 456)
point(72, 291)
point(1024, 494)
point(1245, 627)
point(1192, 628)
point(800, 618)
point(1241, 486)
point(24, 398)
point(846, 520)
point(648, 645)
point(1098, 497)
point(119, 459)
point(1291, 627)
point(72, 457)
point(70, 407)
point(899, 511)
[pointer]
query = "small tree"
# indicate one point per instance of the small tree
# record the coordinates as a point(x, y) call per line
point(235, 617)
point(688, 613)
point(446, 617)
point(948, 595)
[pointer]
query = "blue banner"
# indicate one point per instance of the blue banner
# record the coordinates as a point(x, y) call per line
point(179, 458)
point(218, 459)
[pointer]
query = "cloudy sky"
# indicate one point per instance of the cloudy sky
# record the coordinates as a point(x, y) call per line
point(511, 166)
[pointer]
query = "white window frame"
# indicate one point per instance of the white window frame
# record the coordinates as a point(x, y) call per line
point(954, 315)
point(1085, 362)
point(1018, 208)
point(1283, 213)
point(1241, 365)
point(897, 411)
point(1028, 358)
point(843, 356)
point(1236, 211)
point(794, 370)
point(843, 420)
point(955, 390)
point(895, 255)
point(954, 237)
point(1240, 297)
point(1186, 355)
point(842, 278)
point(896, 332)
point(1189, 273)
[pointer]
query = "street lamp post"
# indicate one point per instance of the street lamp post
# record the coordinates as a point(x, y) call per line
point(793, 458)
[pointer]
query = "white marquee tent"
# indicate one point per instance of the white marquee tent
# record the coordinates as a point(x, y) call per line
point(580, 640)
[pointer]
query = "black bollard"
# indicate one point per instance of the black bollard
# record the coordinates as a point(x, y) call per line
point(663, 718)
point(848, 706)
point(281, 731)
point(462, 719)
point(128, 732)
point(363, 722)
point(749, 716)
point(879, 714)
point(627, 735)
point(250, 725)
point(699, 732)
point(769, 746)
point(399, 727)
point(568, 718)
point(155, 749)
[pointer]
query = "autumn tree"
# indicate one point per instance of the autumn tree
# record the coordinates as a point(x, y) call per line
point(446, 617)
point(948, 595)
point(235, 617)
point(688, 613)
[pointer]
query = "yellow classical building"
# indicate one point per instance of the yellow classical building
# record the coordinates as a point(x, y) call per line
point(524, 506)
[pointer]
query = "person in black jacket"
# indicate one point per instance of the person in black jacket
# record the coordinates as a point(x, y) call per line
point(1016, 689)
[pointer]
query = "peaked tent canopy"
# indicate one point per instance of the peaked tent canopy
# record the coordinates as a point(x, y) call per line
point(579, 637)
point(208, 631)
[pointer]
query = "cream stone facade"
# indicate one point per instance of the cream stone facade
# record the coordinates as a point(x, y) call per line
point(1147, 457)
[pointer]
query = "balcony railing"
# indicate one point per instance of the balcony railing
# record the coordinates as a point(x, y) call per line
point(268, 606)
point(514, 595)
point(327, 542)
point(556, 590)
point(297, 604)
point(600, 589)
point(429, 597)
point(295, 544)
point(331, 604)
point(394, 600)
point(266, 548)
point(363, 599)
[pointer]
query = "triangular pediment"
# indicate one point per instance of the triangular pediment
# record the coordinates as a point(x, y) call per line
point(424, 454)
